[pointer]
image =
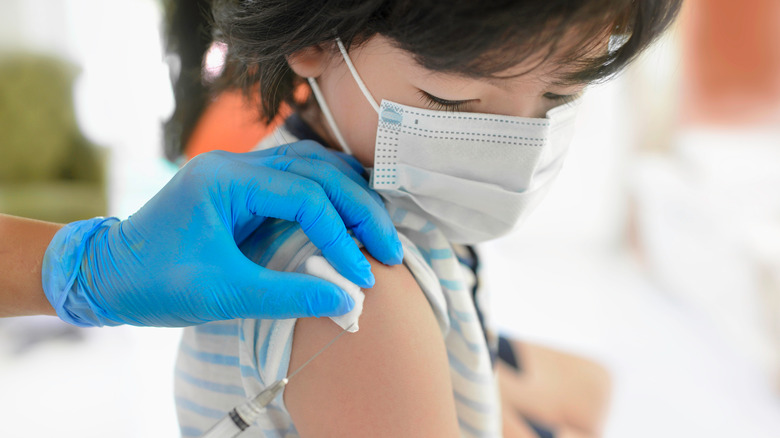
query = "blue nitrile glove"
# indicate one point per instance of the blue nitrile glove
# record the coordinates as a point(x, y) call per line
point(176, 261)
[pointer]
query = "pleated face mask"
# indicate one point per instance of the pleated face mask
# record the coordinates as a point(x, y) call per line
point(475, 176)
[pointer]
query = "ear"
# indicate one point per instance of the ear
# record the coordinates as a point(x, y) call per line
point(309, 62)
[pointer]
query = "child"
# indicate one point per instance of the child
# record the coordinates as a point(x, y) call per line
point(461, 111)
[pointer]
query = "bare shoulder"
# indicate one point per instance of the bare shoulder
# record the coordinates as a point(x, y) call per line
point(391, 378)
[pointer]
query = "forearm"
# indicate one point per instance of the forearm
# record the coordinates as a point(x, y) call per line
point(23, 243)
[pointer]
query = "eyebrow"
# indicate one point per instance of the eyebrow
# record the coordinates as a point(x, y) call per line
point(558, 80)
point(572, 77)
point(568, 78)
point(568, 83)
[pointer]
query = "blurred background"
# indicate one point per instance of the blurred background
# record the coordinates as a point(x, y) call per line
point(656, 254)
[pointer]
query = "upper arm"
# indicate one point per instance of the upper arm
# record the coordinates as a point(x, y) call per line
point(391, 378)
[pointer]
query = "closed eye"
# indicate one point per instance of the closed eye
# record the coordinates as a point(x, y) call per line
point(442, 104)
point(562, 98)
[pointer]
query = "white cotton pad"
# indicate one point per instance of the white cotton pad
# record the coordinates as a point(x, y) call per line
point(319, 267)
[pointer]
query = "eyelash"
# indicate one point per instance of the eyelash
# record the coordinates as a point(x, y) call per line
point(563, 99)
point(457, 105)
point(442, 104)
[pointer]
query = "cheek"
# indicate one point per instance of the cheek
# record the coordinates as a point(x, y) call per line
point(354, 116)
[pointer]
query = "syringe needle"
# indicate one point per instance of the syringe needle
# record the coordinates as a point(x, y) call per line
point(319, 352)
point(243, 415)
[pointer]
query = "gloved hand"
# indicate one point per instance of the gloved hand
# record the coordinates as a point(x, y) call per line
point(176, 261)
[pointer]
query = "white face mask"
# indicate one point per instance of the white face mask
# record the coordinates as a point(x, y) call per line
point(473, 175)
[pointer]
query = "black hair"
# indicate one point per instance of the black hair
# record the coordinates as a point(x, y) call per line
point(467, 37)
point(188, 37)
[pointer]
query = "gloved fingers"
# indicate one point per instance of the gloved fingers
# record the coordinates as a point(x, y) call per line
point(352, 161)
point(265, 293)
point(243, 229)
point(312, 149)
point(291, 197)
point(279, 162)
point(322, 171)
point(308, 149)
point(369, 221)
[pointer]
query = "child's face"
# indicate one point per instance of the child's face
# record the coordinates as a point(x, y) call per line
point(392, 74)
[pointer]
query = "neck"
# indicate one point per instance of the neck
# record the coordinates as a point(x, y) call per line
point(313, 117)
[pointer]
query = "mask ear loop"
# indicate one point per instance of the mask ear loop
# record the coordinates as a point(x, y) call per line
point(315, 88)
point(328, 115)
point(355, 75)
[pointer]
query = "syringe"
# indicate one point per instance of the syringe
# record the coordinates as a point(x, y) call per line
point(242, 416)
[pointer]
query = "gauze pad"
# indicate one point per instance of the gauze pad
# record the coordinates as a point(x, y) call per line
point(319, 267)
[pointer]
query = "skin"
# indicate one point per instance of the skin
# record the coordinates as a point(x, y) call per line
point(397, 382)
point(568, 392)
point(390, 379)
point(22, 245)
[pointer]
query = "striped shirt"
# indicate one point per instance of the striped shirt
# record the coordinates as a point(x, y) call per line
point(220, 364)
